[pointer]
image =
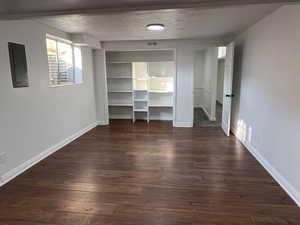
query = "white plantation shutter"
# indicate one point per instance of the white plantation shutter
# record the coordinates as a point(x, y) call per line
point(61, 63)
point(65, 63)
point(52, 61)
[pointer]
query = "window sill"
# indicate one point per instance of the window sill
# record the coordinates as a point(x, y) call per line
point(63, 85)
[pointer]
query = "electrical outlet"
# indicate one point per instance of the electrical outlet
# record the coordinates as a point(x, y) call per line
point(2, 158)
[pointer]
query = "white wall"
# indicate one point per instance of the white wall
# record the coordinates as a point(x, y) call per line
point(185, 50)
point(184, 110)
point(220, 80)
point(141, 56)
point(266, 108)
point(100, 87)
point(36, 118)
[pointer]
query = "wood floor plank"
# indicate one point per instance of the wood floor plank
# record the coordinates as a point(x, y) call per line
point(140, 174)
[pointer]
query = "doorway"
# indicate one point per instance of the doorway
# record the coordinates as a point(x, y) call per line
point(209, 68)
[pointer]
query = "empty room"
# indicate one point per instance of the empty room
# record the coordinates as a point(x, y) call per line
point(149, 112)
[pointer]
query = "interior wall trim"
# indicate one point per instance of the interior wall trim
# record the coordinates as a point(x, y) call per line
point(207, 114)
point(11, 174)
point(184, 124)
point(102, 123)
point(281, 180)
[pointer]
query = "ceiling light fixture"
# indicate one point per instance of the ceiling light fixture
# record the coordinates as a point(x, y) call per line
point(155, 27)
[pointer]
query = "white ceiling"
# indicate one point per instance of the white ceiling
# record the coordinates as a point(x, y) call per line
point(26, 8)
point(179, 23)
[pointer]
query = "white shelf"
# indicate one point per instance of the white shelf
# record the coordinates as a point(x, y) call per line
point(161, 106)
point(140, 90)
point(140, 110)
point(149, 61)
point(120, 104)
point(119, 77)
point(119, 91)
point(140, 100)
point(160, 92)
point(117, 62)
point(158, 76)
point(141, 79)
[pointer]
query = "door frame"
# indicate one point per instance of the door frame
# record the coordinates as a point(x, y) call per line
point(212, 103)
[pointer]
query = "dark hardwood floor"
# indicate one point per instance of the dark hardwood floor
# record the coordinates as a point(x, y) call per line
point(126, 174)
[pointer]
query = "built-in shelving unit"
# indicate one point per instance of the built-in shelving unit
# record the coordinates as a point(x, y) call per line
point(119, 83)
point(140, 88)
point(141, 106)
point(140, 85)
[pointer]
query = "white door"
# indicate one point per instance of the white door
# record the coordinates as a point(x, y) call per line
point(227, 93)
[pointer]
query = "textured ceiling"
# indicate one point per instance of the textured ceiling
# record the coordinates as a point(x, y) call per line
point(14, 9)
point(179, 23)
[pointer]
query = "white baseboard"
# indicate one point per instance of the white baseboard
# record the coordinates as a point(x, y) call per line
point(212, 118)
point(281, 180)
point(102, 123)
point(184, 124)
point(8, 176)
point(208, 115)
point(205, 111)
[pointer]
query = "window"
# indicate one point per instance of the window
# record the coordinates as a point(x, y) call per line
point(78, 66)
point(222, 52)
point(64, 62)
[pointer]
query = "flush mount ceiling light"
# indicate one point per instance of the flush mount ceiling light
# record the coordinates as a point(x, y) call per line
point(155, 27)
